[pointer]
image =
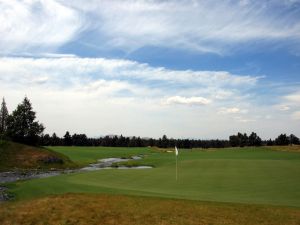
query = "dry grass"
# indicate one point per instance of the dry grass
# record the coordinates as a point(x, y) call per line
point(14, 155)
point(107, 209)
point(287, 148)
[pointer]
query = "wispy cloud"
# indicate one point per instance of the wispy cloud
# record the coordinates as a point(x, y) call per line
point(201, 26)
point(34, 26)
point(66, 71)
point(204, 26)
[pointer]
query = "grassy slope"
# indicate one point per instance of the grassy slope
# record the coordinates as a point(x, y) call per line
point(19, 156)
point(107, 209)
point(248, 175)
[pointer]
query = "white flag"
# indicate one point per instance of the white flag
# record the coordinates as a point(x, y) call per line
point(176, 151)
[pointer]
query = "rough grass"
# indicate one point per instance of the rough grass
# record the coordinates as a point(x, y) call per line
point(19, 156)
point(90, 209)
point(288, 148)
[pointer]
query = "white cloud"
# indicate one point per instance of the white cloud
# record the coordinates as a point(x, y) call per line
point(296, 115)
point(121, 96)
point(65, 71)
point(34, 25)
point(233, 110)
point(244, 120)
point(283, 107)
point(186, 100)
point(293, 98)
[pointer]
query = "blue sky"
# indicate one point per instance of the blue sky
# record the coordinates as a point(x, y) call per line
point(188, 68)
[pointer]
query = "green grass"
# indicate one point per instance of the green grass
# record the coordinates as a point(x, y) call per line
point(247, 175)
point(86, 155)
point(19, 156)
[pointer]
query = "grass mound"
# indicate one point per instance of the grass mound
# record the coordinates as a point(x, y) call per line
point(19, 156)
point(112, 209)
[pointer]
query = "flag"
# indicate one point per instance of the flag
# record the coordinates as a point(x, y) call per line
point(176, 151)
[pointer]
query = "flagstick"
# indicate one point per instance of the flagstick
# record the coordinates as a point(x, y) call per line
point(176, 169)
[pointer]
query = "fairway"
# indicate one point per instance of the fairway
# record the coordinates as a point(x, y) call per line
point(246, 175)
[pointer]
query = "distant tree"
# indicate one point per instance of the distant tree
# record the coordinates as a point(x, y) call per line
point(55, 140)
point(67, 139)
point(151, 142)
point(139, 142)
point(243, 139)
point(164, 141)
point(3, 117)
point(294, 140)
point(269, 142)
point(186, 143)
point(122, 141)
point(254, 140)
point(80, 140)
point(21, 124)
point(234, 140)
point(282, 139)
point(114, 141)
point(45, 140)
point(132, 142)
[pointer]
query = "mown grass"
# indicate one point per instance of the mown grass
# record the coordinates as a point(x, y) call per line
point(18, 156)
point(247, 175)
point(90, 209)
point(86, 155)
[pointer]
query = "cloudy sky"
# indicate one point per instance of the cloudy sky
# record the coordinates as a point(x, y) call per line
point(185, 68)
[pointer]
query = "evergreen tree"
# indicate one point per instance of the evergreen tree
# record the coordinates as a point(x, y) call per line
point(234, 141)
point(45, 140)
point(164, 141)
point(55, 141)
point(3, 117)
point(282, 139)
point(254, 140)
point(21, 124)
point(67, 139)
point(294, 140)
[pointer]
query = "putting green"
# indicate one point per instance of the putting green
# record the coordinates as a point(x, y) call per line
point(247, 175)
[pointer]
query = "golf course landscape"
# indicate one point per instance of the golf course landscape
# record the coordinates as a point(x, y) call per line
point(250, 185)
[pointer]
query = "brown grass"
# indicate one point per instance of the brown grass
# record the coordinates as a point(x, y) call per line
point(85, 209)
point(14, 155)
point(287, 148)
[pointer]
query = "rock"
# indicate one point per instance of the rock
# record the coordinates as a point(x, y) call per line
point(4, 196)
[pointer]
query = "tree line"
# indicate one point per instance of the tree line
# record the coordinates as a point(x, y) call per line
point(239, 140)
point(21, 126)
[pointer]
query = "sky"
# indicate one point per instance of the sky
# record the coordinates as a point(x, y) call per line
point(185, 68)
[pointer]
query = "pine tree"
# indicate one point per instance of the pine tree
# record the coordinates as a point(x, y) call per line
point(21, 124)
point(67, 139)
point(3, 117)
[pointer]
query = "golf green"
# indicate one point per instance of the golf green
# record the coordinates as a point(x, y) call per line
point(241, 175)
